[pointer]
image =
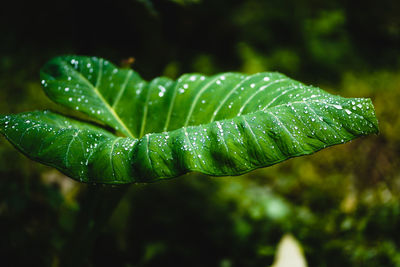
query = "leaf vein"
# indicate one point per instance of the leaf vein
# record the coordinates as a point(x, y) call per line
point(171, 105)
point(69, 146)
point(122, 90)
point(278, 96)
point(112, 155)
point(228, 95)
point(145, 110)
point(197, 96)
point(102, 99)
point(262, 88)
point(280, 123)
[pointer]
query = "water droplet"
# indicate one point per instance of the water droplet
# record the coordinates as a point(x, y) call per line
point(266, 79)
point(162, 91)
point(338, 106)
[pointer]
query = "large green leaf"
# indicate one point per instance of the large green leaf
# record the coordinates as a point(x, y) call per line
point(225, 124)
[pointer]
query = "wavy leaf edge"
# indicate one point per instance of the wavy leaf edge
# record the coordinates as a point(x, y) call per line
point(168, 154)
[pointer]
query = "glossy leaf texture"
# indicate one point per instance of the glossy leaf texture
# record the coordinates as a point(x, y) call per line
point(226, 124)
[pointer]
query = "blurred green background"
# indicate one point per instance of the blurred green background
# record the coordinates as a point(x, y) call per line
point(341, 204)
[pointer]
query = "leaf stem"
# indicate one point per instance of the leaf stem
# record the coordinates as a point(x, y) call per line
point(97, 206)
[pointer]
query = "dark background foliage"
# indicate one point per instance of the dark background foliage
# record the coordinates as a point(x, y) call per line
point(342, 204)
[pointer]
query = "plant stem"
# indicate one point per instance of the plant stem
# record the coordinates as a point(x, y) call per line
point(96, 208)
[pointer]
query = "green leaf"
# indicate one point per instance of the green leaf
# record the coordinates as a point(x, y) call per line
point(226, 124)
point(78, 149)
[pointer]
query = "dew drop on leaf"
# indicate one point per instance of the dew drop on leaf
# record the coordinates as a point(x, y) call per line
point(337, 106)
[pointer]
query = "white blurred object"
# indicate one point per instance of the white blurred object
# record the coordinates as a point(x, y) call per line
point(289, 253)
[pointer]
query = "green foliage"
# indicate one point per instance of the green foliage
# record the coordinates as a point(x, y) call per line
point(226, 124)
point(341, 204)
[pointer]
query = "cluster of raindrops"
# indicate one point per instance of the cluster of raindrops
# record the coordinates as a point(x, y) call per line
point(183, 83)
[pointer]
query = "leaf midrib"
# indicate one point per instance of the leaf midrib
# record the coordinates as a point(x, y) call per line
point(97, 92)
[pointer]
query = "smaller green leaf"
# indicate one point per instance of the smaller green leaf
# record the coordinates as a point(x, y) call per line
point(96, 87)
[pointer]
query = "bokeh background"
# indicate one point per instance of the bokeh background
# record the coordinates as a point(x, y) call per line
point(341, 204)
